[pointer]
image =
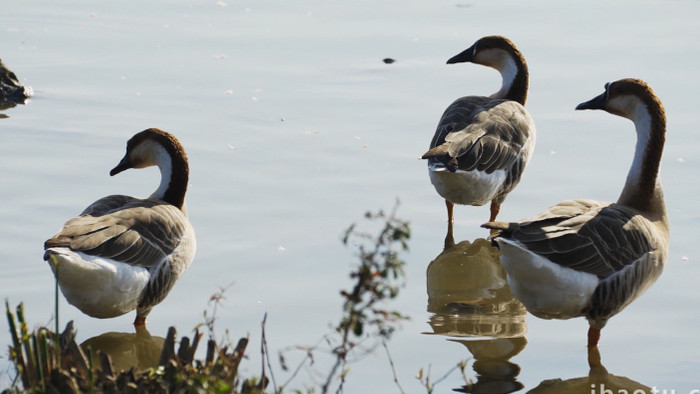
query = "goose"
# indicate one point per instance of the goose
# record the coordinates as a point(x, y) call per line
point(482, 144)
point(125, 253)
point(592, 258)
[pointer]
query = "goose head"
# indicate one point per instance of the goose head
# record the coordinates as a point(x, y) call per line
point(501, 54)
point(492, 51)
point(630, 98)
point(151, 147)
point(155, 147)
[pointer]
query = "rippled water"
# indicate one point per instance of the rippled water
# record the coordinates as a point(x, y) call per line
point(295, 127)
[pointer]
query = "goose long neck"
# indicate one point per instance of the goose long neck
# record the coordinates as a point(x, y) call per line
point(643, 189)
point(515, 79)
point(174, 175)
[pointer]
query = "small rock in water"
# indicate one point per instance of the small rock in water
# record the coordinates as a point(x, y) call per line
point(389, 60)
point(11, 91)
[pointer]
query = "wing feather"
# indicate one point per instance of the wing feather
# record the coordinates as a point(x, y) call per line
point(135, 231)
point(588, 236)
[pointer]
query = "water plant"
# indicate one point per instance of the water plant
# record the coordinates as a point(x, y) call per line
point(365, 324)
point(47, 362)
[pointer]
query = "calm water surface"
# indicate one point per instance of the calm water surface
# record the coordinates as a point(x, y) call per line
point(295, 127)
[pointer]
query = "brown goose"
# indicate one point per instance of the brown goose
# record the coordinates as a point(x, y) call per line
point(483, 144)
point(592, 258)
point(124, 253)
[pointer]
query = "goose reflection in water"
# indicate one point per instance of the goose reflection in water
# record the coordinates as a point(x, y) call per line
point(139, 350)
point(598, 381)
point(471, 303)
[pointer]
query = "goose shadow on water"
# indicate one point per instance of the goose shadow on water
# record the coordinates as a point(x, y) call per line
point(471, 304)
point(139, 350)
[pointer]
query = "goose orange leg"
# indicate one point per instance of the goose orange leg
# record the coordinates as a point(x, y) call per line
point(140, 321)
point(450, 208)
point(449, 238)
point(593, 353)
point(593, 337)
point(495, 208)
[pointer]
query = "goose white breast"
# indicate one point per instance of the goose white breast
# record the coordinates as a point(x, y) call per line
point(483, 144)
point(591, 258)
point(124, 253)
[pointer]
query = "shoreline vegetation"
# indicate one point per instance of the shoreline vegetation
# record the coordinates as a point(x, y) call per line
point(46, 361)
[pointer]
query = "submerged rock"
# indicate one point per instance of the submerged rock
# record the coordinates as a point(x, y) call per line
point(11, 91)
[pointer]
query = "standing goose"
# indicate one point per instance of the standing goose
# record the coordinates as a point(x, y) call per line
point(592, 258)
point(483, 144)
point(124, 253)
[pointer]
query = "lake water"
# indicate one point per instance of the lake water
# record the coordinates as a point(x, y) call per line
point(295, 127)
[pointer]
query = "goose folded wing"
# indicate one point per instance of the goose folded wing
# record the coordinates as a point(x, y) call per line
point(140, 233)
point(484, 136)
point(597, 240)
